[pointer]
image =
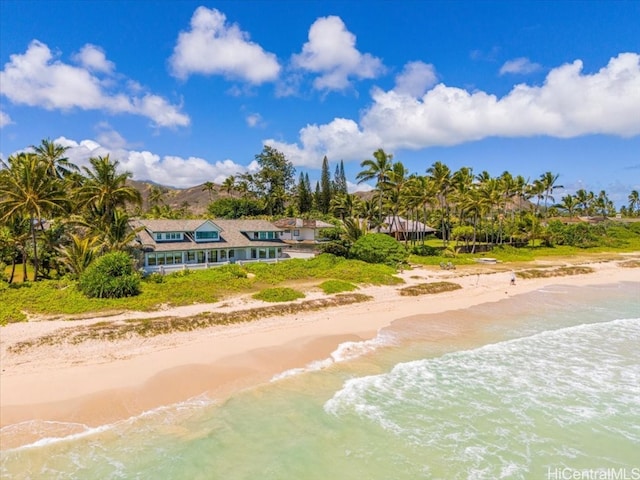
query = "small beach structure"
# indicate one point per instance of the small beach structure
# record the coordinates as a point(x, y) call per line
point(402, 229)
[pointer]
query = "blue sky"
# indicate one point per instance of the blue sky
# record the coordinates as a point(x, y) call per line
point(185, 92)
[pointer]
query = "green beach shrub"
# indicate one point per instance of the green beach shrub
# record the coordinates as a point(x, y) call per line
point(282, 294)
point(379, 248)
point(110, 276)
point(337, 286)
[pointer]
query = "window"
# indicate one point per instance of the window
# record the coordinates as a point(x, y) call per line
point(232, 254)
point(271, 235)
point(222, 255)
point(263, 235)
point(151, 259)
point(255, 235)
point(296, 233)
point(262, 252)
point(168, 236)
point(200, 256)
point(160, 258)
point(254, 253)
point(206, 235)
point(213, 256)
point(177, 257)
point(191, 257)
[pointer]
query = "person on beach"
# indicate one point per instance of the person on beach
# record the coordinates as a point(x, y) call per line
point(513, 278)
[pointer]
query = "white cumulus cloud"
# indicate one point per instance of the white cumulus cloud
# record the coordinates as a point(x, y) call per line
point(415, 79)
point(5, 119)
point(37, 79)
point(520, 65)
point(331, 52)
point(169, 170)
point(569, 103)
point(214, 47)
point(254, 120)
point(93, 58)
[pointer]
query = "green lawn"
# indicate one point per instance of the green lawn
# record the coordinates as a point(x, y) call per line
point(61, 297)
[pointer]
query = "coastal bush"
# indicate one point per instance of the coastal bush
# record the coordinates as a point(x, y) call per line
point(110, 276)
point(282, 294)
point(379, 248)
point(337, 286)
point(429, 288)
point(337, 248)
point(426, 250)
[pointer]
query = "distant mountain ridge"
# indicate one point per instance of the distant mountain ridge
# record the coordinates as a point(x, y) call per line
point(197, 197)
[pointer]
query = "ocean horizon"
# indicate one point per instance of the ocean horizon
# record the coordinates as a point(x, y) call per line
point(537, 385)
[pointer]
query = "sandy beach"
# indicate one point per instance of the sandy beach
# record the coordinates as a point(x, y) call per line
point(99, 382)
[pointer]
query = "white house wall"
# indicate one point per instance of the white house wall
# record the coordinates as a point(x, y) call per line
point(304, 234)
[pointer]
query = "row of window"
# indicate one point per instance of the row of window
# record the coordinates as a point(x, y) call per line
point(169, 236)
point(270, 252)
point(192, 256)
point(214, 235)
point(264, 235)
point(207, 256)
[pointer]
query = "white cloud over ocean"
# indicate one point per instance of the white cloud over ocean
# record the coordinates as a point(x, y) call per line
point(568, 104)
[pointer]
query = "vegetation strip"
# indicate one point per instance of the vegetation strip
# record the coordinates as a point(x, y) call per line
point(429, 288)
point(159, 326)
point(555, 272)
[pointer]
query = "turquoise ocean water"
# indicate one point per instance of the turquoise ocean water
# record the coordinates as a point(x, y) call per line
point(537, 383)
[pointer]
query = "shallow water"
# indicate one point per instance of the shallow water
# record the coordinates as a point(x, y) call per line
point(513, 389)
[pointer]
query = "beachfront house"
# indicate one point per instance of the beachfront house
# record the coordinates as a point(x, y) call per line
point(402, 229)
point(300, 230)
point(168, 245)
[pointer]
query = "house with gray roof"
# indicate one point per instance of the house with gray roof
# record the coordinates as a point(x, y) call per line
point(301, 230)
point(168, 245)
point(401, 228)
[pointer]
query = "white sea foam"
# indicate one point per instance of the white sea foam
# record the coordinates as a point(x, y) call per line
point(32, 426)
point(345, 352)
point(506, 396)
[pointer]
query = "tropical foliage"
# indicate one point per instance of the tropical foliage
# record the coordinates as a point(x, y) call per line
point(58, 220)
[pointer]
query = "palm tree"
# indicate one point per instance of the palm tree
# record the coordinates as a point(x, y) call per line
point(377, 169)
point(105, 189)
point(79, 253)
point(395, 186)
point(155, 196)
point(440, 174)
point(548, 184)
point(26, 189)
point(209, 187)
point(634, 202)
point(52, 154)
point(229, 184)
point(569, 204)
point(14, 236)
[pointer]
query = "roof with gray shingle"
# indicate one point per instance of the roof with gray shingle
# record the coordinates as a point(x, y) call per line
point(233, 234)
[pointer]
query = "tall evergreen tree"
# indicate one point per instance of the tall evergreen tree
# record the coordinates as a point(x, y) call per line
point(305, 199)
point(339, 180)
point(317, 197)
point(325, 187)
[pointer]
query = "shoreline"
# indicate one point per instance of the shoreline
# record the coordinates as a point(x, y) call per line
point(99, 382)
